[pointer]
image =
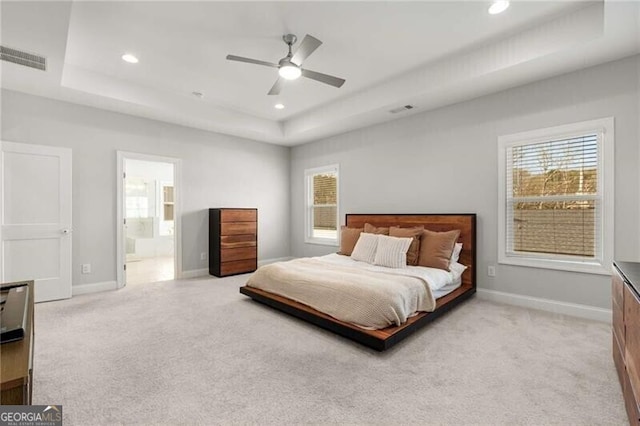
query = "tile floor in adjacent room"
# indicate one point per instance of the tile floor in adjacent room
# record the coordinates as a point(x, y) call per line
point(150, 270)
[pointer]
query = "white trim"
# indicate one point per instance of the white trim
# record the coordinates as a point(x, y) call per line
point(274, 260)
point(335, 168)
point(605, 129)
point(79, 289)
point(199, 273)
point(177, 194)
point(571, 309)
point(194, 273)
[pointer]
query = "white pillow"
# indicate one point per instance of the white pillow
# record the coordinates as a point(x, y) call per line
point(365, 249)
point(392, 251)
point(455, 254)
point(456, 269)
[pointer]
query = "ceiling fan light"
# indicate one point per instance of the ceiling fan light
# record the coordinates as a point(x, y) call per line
point(289, 72)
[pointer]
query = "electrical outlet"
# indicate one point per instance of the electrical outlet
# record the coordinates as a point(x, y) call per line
point(86, 268)
point(491, 271)
point(203, 256)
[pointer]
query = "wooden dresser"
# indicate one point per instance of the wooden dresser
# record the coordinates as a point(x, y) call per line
point(626, 333)
point(233, 241)
point(16, 361)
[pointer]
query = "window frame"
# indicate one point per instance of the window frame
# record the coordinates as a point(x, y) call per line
point(604, 129)
point(308, 205)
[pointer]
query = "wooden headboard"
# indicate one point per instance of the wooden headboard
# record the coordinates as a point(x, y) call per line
point(466, 223)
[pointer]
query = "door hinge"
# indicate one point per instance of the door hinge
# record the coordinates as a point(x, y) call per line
point(125, 220)
point(125, 266)
point(124, 175)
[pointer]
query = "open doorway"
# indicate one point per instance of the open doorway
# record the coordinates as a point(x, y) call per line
point(148, 195)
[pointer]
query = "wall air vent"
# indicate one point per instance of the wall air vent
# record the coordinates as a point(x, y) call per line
point(402, 108)
point(23, 58)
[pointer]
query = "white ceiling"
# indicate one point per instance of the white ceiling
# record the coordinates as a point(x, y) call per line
point(429, 54)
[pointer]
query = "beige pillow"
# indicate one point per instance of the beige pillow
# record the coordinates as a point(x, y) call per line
point(370, 229)
point(365, 249)
point(414, 233)
point(392, 252)
point(436, 248)
point(348, 239)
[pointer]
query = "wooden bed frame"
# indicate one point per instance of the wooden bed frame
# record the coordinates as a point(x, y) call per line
point(383, 339)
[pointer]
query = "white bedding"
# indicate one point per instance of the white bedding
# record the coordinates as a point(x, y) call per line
point(436, 278)
point(365, 295)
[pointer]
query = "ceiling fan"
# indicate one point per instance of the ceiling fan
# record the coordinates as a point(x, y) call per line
point(289, 67)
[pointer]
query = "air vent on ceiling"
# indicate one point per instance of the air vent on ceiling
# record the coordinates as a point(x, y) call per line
point(23, 58)
point(402, 108)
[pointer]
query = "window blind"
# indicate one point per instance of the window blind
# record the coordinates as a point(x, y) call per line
point(554, 199)
point(322, 199)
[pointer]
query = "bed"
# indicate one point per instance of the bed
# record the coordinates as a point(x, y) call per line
point(382, 339)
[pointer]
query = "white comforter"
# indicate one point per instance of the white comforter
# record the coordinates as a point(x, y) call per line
point(366, 295)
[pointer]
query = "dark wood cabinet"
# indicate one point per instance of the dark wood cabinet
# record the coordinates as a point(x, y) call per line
point(625, 288)
point(16, 359)
point(233, 241)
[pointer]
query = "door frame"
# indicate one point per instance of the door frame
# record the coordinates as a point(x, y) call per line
point(120, 205)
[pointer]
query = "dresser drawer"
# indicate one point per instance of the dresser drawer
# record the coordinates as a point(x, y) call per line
point(618, 323)
point(230, 215)
point(631, 403)
point(238, 228)
point(632, 336)
point(237, 241)
point(238, 267)
point(618, 361)
point(228, 255)
point(617, 284)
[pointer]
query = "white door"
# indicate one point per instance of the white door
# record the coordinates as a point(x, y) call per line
point(36, 218)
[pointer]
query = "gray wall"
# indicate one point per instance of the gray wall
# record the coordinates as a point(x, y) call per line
point(217, 171)
point(445, 161)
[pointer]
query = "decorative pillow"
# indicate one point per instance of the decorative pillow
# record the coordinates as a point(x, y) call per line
point(414, 233)
point(348, 239)
point(392, 251)
point(365, 249)
point(455, 255)
point(370, 229)
point(436, 248)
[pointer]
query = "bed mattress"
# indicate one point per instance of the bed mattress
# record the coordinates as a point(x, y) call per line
point(365, 295)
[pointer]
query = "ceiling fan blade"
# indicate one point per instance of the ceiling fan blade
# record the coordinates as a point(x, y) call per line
point(277, 86)
point(251, 61)
point(307, 47)
point(323, 78)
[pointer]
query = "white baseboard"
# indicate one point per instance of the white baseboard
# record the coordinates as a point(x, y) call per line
point(198, 273)
point(194, 273)
point(274, 260)
point(572, 309)
point(93, 287)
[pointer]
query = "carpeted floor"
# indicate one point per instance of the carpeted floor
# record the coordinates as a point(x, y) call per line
point(198, 352)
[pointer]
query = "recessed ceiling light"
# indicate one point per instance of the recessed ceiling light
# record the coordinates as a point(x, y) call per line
point(278, 106)
point(128, 57)
point(498, 7)
point(198, 95)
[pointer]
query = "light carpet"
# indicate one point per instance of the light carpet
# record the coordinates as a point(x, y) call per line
point(198, 352)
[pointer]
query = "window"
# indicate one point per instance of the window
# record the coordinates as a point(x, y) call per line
point(556, 197)
point(321, 195)
point(166, 209)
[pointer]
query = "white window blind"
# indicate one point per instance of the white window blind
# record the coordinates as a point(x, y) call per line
point(322, 205)
point(554, 201)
